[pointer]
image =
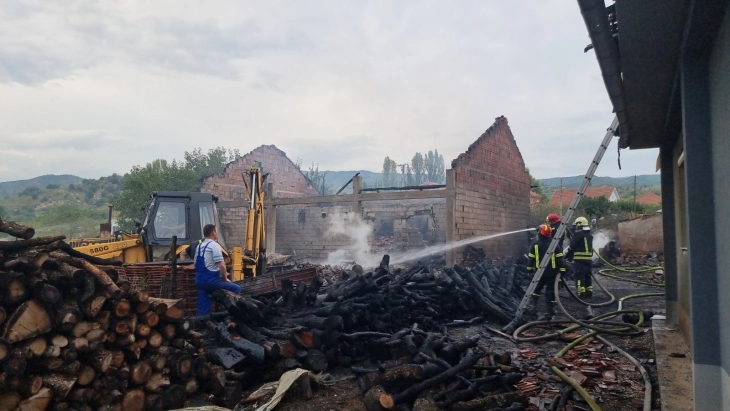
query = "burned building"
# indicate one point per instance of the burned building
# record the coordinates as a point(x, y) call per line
point(487, 191)
point(229, 186)
point(492, 190)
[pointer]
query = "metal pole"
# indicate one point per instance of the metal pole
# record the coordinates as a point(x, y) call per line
point(173, 266)
point(347, 184)
point(635, 205)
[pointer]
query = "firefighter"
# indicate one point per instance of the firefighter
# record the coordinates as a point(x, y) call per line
point(554, 221)
point(580, 251)
point(556, 265)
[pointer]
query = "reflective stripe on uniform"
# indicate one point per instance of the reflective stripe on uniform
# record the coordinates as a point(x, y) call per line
point(537, 257)
point(584, 255)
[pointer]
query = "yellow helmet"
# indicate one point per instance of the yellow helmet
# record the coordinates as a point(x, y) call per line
point(581, 221)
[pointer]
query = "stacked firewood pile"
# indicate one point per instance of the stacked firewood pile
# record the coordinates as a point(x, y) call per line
point(75, 336)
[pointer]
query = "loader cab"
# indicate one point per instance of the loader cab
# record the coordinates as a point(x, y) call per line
point(177, 213)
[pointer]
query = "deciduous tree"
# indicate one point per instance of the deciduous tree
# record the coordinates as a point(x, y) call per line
point(390, 172)
point(177, 175)
point(418, 166)
point(435, 167)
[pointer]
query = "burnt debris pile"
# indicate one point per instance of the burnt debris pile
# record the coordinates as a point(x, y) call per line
point(383, 325)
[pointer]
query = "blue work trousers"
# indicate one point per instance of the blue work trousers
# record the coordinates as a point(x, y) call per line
point(206, 283)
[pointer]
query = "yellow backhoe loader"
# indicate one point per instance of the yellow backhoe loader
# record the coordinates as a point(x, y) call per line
point(176, 219)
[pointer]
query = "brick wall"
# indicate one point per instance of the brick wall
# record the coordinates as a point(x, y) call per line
point(304, 228)
point(233, 225)
point(288, 182)
point(492, 191)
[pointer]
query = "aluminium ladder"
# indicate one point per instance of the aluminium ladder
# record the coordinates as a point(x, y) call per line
point(610, 133)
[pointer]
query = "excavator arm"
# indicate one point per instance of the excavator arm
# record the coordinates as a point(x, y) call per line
point(254, 250)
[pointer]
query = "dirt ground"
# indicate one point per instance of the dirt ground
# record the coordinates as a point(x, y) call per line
point(622, 388)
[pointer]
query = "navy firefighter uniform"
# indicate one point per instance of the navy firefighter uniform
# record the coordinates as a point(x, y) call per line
point(208, 276)
point(535, 255)
point(580, 252)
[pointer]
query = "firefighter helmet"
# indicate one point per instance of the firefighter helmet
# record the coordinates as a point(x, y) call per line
point(581, 221)
point(545, 230)
point(553, 218)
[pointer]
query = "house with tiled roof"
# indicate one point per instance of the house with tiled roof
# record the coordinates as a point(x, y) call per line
point(565, 196)
point(649, 198)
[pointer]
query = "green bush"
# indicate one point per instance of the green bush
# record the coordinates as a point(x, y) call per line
point(185, 175)
point(30, 191)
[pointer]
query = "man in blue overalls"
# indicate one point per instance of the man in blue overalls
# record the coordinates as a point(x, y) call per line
point(210, 270)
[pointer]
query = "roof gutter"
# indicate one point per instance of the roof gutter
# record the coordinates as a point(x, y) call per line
point(607, 54)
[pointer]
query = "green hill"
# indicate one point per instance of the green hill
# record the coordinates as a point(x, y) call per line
point(75, 209)
point(11, 188)
point(336, 179)
point(646, 180)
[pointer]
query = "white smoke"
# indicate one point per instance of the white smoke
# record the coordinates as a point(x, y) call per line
point(600, 239)
point(356, 234)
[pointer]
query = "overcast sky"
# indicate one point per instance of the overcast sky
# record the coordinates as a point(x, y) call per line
point(92, 88)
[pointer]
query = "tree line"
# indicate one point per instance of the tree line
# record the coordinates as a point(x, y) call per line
point(427, 167)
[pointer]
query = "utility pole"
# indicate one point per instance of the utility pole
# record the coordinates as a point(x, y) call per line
point(561, 196)
point(635, 205)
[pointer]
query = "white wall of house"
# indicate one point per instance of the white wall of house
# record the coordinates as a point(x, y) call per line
point(614, 196)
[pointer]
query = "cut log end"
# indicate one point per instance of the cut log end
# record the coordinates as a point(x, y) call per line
point(141, 372)
point(31, 386)
point(9, 401)
point(38, 402)
point(60, 384)
point(386, 401)
point(86, 376)
point(134, 400)
point(122, 308)
point(93, 306)
point(101, 360)
point(29, 320)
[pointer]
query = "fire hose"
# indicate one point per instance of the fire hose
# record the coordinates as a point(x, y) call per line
point(618, 328)
point(604, 272)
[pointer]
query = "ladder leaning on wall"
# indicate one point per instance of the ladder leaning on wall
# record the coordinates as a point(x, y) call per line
point(568, 216)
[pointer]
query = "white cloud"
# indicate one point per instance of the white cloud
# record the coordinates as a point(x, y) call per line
point(342, 84)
